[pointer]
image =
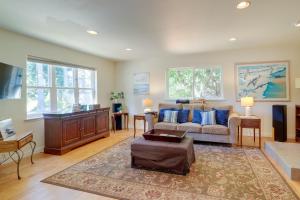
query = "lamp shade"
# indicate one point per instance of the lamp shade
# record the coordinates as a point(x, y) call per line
point(297, 83)
point(147, 103)
point(247, 101)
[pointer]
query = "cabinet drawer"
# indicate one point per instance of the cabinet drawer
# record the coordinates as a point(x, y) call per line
point(6, 146)
point(250, 123)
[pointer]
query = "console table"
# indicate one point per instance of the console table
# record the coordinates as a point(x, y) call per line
point(12, 145)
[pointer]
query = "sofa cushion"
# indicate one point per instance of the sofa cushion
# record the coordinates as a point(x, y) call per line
point(170, 116)
point(170, 105)
point(215, 129)
point(222, 117)
point(183, 116)
point(197, 116)
point(189, 126)
point(161, 114)
point(165, 125)
point(218, 106)
point(208, 117)
point(192, 107)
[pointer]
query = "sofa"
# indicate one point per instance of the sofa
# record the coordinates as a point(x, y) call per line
point(208, 133)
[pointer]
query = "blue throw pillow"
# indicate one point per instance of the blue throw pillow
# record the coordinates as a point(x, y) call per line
point(197, 116)
point(183, 116)
point(222, 117)
point(170, 116)
point(162, 113)
point(208, 117)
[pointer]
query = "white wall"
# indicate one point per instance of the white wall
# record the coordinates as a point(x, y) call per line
point(14, 50)
point(158, 66)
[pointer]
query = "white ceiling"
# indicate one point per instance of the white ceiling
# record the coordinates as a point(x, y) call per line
point(153, 27)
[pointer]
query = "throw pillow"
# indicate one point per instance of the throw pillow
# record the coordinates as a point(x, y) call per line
point(170, 116)
point(222, 117)
point(162, 113)
point(208, 117)
point(197, 118)
point(183, 116)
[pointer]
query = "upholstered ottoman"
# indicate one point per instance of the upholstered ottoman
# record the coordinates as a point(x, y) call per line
point(163, 156)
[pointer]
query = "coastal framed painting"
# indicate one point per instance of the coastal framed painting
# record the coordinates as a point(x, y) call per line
point(141, 83)
point(265, 81)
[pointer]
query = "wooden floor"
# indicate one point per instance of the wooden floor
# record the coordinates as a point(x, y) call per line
point(30, 187)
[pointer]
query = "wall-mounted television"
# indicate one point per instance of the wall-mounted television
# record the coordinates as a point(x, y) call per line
point(10, 81)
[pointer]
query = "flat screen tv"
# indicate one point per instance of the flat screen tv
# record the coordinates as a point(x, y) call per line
point(10, 81)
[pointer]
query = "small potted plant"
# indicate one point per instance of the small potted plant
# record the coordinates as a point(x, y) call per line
point(116, 97)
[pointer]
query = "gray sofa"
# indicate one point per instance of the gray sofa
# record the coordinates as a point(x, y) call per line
point(209, 133)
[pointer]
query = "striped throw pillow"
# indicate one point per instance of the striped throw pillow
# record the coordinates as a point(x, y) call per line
point(208, 117)
point(170, 116)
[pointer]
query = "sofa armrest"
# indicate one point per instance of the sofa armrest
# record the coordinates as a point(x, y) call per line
point(234, 121)
point(151, 119)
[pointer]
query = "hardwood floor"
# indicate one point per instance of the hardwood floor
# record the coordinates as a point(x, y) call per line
point(30, 187)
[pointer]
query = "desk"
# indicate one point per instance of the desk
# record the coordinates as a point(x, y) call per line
point(12, 145)
point(113, 119)
point(252, 122)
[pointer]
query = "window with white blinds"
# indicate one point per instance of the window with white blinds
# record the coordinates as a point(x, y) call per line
point(53, 86)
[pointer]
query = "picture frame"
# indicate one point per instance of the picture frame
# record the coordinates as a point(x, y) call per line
point(265, 81)
point(141, 83)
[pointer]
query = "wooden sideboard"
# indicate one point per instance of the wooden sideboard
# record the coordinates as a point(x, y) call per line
point(66, 131)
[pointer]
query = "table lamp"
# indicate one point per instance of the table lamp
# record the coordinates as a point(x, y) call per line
point(247, 102)
point(147, 103)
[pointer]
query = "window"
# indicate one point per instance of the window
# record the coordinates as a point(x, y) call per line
point(52, 87)
point(195, 83)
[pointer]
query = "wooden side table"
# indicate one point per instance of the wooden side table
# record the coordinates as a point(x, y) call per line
point(126, 119)
point(139, 117)
point(251, 122)
point(12, 146)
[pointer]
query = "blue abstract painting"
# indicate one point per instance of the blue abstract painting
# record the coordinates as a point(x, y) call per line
point(141, 84)
point(265, 81)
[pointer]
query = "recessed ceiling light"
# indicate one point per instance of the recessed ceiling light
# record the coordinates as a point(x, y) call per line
point(297, 24)
point(243, 5)
point(92, 32)
point(128, 49)
point(233, 39)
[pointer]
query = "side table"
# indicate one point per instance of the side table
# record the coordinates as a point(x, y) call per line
point(113, 119)
point(251, 122)
point(12, 145)
point(139, 117)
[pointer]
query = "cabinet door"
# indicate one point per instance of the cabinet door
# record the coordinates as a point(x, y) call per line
point(102, 121)
point(88, 126)
point(71, 131)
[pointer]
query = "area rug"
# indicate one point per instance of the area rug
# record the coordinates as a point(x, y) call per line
point(218, 173)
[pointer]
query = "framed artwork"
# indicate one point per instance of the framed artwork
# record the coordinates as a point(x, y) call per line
point(141, 83)
point(266, 81)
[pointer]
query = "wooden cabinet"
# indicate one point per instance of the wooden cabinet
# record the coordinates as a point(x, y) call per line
point(102, 122)
point(71, 131)
point(88, 126)
point(66, 131)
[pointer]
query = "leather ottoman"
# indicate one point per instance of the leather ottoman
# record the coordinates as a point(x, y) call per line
point(163, 156)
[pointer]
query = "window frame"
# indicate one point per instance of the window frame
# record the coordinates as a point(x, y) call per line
point(193, 84)
point(53, 88)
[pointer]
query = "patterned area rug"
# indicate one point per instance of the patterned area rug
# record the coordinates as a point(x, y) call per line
point(218, 173)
